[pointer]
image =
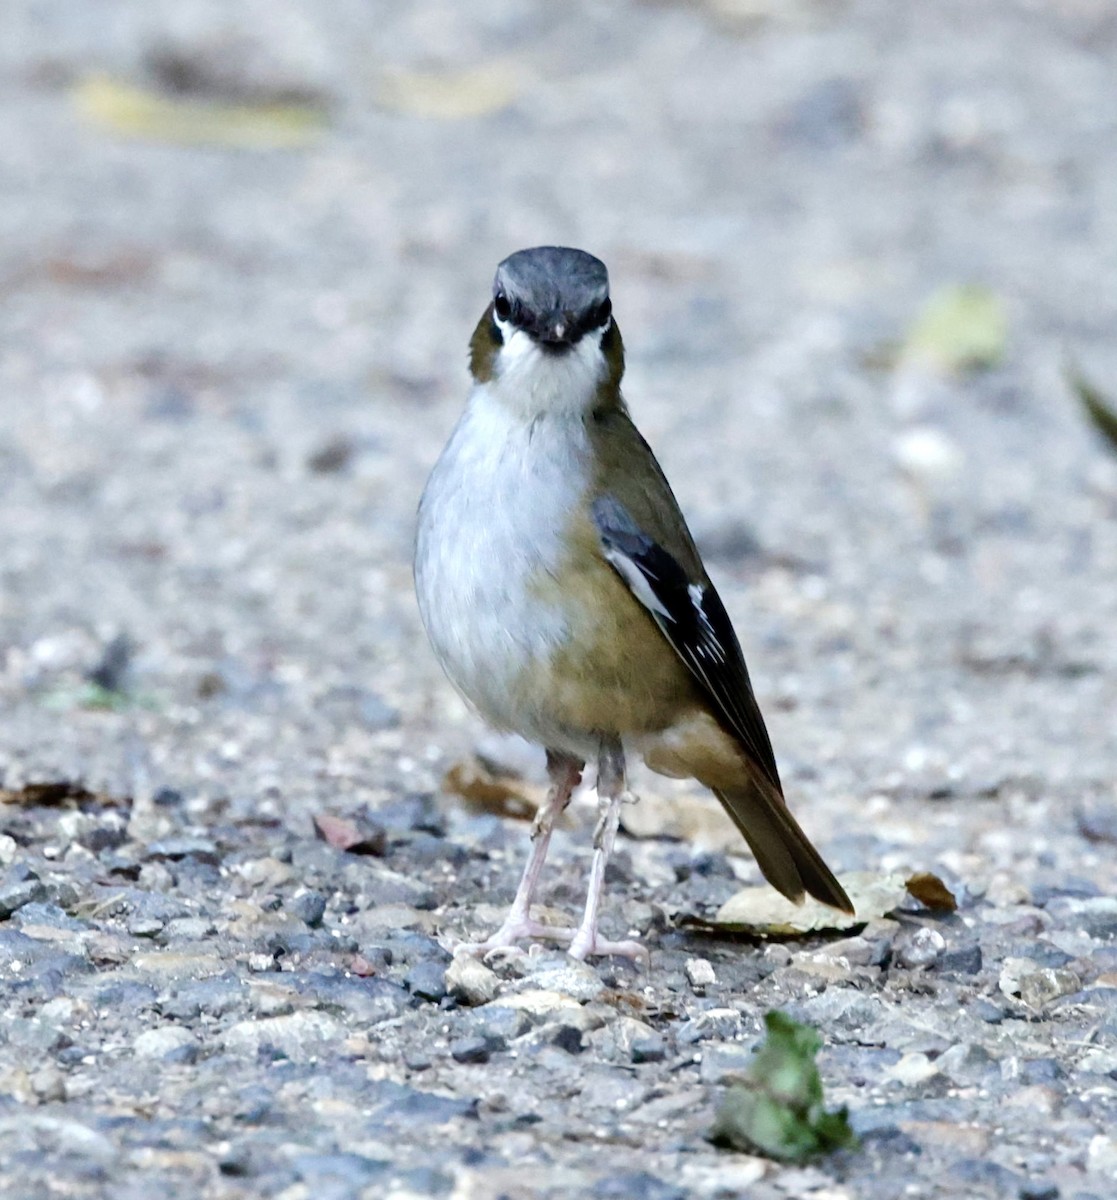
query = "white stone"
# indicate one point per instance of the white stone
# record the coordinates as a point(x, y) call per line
point(298, 1035)
point(158, 1043)
point(700, 972)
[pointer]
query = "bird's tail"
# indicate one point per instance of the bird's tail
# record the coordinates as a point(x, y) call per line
point(785, 856)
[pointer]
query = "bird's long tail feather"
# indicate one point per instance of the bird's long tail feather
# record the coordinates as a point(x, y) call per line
point(784, 854)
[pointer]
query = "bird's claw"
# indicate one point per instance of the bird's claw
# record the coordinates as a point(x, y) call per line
point(587, 942)
point(504, 944)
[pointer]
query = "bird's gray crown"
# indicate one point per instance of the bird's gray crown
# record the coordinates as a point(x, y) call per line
point(554, 293)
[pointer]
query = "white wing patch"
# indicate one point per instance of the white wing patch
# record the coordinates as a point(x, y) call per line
point(692, 618)
point(709, 647)
point(637, 581)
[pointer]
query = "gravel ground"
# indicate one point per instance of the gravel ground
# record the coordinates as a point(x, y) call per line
point(225, 373)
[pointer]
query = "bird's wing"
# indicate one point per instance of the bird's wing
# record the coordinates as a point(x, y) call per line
point(689, 613)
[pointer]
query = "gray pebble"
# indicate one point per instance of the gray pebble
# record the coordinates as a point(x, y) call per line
point(471, 1050)
point(638, 1185)
point(498, 1021)
point(369, 1001)
point(1097, 822)
point(1041, 952)
point(410, 1107)
point(214, 997)
point(568, 1038)
point(417, 1059)
point(325, 1173)
point(563, 974)
point(1096, 915)
point(298, 1036)
point(417, 947)
point(176, 849)
point(376, 714)
point(165, 1042)
point(425, 1181)
point(38, 913)
point(725, 1061)
point(15, 894)
point(1041, 1070)
point(239, 1162)
point(984, 1010)
point(717, 1023)
point(427, 981)
point(412, 813)
point(380, 958)
point(1041, 1191)
point(309, 907)
point(651, 1048)
point(968, 1063)
point(146, 927)
point(962, 960)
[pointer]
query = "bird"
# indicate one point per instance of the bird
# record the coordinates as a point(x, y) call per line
point(566, 600)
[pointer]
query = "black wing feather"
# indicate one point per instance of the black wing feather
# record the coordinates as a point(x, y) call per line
point(693, 619)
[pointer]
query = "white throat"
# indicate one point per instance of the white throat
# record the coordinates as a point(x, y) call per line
point(533, 382)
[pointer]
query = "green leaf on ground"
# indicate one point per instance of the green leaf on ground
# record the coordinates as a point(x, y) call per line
point(778, 1111)
point(962, 328)
point(1101, 412)
point(139, 112)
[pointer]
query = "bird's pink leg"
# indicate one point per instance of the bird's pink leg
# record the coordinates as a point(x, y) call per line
point(611, 793)
point(565, 774)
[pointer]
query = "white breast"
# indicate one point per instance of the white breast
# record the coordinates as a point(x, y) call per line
point(490, 521)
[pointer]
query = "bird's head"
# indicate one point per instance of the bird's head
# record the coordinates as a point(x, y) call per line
point(548, 341)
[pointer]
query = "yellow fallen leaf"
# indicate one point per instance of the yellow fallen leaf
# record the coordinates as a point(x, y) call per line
point(134, 111)
point(962, 328)
point(449, 95)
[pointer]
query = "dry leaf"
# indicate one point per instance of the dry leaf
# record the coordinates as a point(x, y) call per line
point(449, 95)
point(763, 912)
point(139, 112)
point(355, 836)
point(500, 794)
point(61, 794)
point(931, 892)
point(961, 329)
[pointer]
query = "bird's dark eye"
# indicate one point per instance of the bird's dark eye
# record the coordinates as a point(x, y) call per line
point(502, 306)
point(604, 312)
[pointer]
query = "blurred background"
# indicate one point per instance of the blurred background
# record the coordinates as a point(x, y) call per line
point(854, 247)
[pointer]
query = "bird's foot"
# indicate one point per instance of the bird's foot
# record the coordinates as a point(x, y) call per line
point(588, 941)
point(510, 934)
